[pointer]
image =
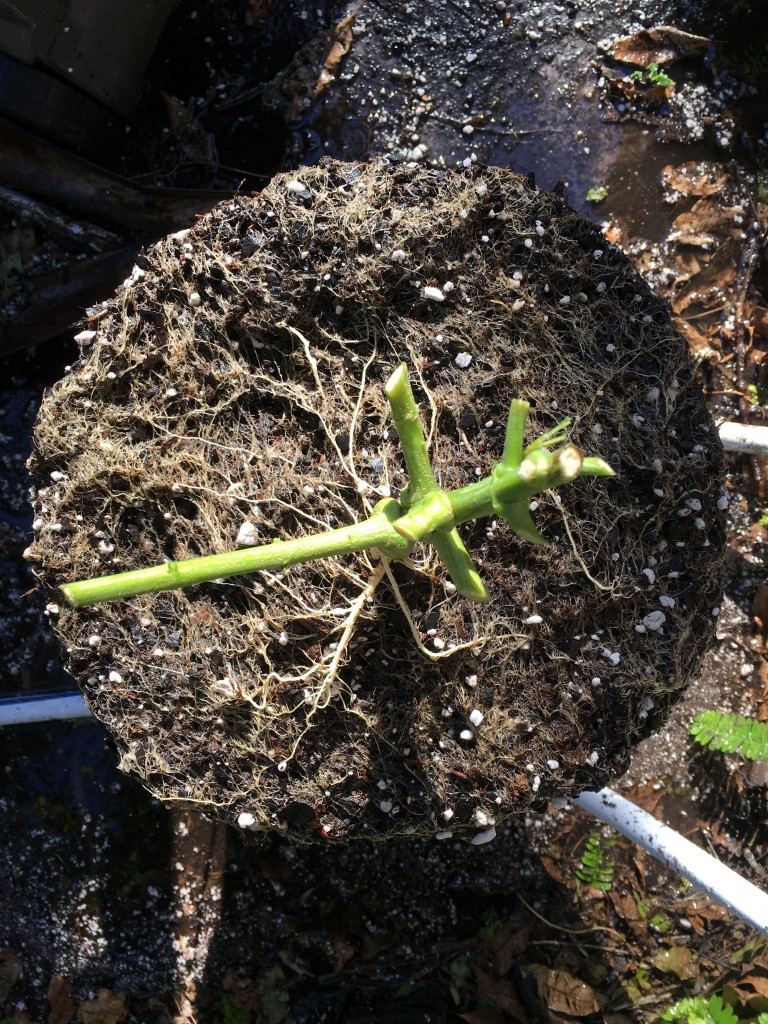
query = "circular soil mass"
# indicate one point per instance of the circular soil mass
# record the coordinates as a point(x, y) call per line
point(239, 377)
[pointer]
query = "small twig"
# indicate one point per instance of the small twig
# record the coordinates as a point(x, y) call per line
point(563, 928)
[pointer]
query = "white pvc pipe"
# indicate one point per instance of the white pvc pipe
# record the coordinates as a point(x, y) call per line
point(662, 842)
point(43, 708)
point(744, 438)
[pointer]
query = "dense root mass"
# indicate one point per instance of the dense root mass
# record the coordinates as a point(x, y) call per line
point(238, 378)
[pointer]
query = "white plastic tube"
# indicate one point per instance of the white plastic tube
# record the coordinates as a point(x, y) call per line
point(662, 842)
point(744, 438)
point(43, 708)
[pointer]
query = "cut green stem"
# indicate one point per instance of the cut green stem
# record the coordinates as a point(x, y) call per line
point(425, 513)
point(375, 532)
point(515, 433)
point(405, 413)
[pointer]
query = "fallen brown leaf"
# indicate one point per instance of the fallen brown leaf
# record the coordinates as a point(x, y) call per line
point(107, 1008)
point(698, 343)
point(753, 985)
point(702, 912)
point(344, 952)
point(695, 178)
point(706, 222)
point(649, 795)
point(60, 998)
point(500, 993)
point(625, 905)
point(687, 265)
point(744, 1001)
point(561, 992)
point(661, 45)
point(677, 960)
point(613, 234)
point(242, 990)
point(506, 945)
point(187, 129)
point(258, 10)
point(339, 48)
point(759, 319)
point(485, 1015)
point(552, 868)
point(316, 65)
point(759, 605)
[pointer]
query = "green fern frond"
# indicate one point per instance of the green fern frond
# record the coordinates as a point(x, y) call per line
point(732, 734)
point(700, 1010)
point(597, 864)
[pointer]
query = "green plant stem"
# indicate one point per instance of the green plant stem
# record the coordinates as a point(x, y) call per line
point(424, 513)
point(405, 413)
point(433, 519)
point(461, 568)
point(515, 433)
point(430, 515)
point(375, 532)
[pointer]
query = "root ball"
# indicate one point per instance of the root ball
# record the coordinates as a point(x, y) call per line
point(237, 378)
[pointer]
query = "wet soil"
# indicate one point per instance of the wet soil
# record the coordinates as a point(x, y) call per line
point(418, 930)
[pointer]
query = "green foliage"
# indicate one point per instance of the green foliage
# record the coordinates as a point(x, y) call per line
point(751, 951)
point(756, 394)
point(490, 929)
point(652, 75)
point(637, 985)
point(732, 734)
point(763, 520)
point(233, 1014)
point(461, 971)
point(751, 64)
point(597, 863)
point(461, 977)
point(658, 922)
point(700, 1010)
point(708, 1010)
point(597, 194)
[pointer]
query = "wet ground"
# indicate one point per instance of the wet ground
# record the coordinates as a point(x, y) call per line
point(168, 916)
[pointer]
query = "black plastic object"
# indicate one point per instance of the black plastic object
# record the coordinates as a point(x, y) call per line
point(73, 70)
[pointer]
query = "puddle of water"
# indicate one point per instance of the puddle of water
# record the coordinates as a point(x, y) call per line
point(632, 177)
